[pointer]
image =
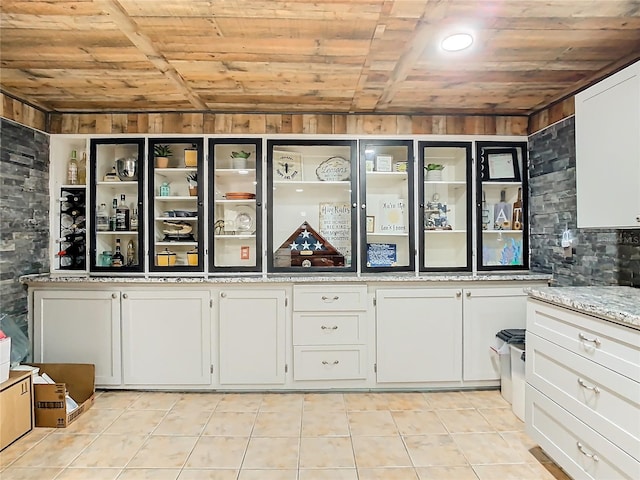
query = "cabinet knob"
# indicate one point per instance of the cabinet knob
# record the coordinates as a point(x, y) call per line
point(124, 295)
point(114, 295)
point(468, 294)
point(458, 294)
point(223, 295)
point(592, 456)
point(363, 206)
point(638, 218)
point(335, 362)
point(354, 205)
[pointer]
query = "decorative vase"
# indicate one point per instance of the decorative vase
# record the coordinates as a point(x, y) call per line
point(434, 175)
point(162, 162)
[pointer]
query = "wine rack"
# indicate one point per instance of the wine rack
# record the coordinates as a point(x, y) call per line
point(73, 238)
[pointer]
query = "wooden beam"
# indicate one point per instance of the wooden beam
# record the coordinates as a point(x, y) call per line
point(128, 27)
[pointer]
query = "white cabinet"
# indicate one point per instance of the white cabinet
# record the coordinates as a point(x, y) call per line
point(582, 401)
point(329, 332)
point(251, 332)
point(79, 326)
point(419, 335)
point(166, 337)
point(486, 312)
point(608, 151)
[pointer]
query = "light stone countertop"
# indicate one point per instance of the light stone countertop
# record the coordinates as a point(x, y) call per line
point(616, 304)
point(302, 278)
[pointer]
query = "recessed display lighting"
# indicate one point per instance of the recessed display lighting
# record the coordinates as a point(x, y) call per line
point(457, 42)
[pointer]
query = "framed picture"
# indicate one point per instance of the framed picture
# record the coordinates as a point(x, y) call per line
point(371, 224)
point(383, 163)
point(502, 165)
point(287, 165)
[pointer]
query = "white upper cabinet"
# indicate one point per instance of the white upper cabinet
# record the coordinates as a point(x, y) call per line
point(608, 151)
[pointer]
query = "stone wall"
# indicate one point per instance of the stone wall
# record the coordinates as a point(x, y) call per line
point(601, 257)
point(24, 212)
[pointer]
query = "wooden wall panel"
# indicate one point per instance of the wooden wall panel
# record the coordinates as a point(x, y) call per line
point(552, 114)
point(298, 123)
point(21, 113)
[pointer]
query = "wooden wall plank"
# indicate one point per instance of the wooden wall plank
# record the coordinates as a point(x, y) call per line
point(551, 115)
point(22, 113)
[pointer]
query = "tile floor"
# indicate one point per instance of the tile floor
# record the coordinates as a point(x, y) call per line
point(284, 436)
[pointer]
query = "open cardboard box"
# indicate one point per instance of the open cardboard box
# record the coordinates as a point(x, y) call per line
point(78, 379)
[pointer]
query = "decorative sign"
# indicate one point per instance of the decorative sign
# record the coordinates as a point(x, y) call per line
point(381, 255)
point(287, 165)
point(334, 169)
point(499, 165)
point(391, 215)
point(335, 226)
point(383, 163)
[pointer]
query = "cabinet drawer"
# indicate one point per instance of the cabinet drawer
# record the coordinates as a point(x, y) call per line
point(339, 328)
point(571, 443)
point(607, 401)
point(318, 363)
point(329, 298)
point(614, 346)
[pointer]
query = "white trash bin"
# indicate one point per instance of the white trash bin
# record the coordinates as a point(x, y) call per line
point(505, 338)
point(517, 380)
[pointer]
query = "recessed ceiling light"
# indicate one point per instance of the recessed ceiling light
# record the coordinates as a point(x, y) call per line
point(457, 42)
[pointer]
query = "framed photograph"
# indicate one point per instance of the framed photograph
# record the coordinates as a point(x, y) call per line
point(383, 163)
point(287, 165)
point(502, 165)
point(371, 224)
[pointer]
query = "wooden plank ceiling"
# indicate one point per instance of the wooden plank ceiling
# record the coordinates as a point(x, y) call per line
point(361, 56)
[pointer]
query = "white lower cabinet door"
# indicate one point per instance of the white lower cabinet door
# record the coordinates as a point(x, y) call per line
point(419, 335)
point(252, 336)
point(166, 337)
point(486, 312)
point(79, 327)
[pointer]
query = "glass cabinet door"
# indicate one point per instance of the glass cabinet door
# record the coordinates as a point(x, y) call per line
point(445, 206)
point(235, 211)
point(386, 172)
point(116, 206)
point(176, 211)
point(311, 210)
point(502, 227)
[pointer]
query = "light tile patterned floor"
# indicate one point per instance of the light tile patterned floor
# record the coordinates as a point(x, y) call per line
point(284, 436)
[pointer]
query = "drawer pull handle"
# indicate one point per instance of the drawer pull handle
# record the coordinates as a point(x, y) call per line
point(596, 341)
point(335, 362)
point(593, 456)
point(595, 389)
point(330, 299)
point(324, 327)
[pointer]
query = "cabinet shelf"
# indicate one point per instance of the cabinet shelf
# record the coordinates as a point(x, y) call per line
point(235, 237)
point(234, 172)
point(443, 231)
point(176, 170)
point(173, 244)
point(236, 202)
point(381, 234)
point(176, 219)
point(116, 184)
point(175, 198)
point(455, 183)
point(502, 184)
point(118, 232)
point(311, 183)
point(501, 231)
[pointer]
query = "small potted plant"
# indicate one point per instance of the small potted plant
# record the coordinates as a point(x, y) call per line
point(162, 154)
point(434, 171)
point(240, 159)
point(192, 178)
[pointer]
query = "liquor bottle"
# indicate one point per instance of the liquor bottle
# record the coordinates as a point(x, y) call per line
point(134, 219)
point(118, 259)
point(122, 215)
point(72, 169)
point(131, 253)
point(102, 218)
point(112, 217)
point(82, 169)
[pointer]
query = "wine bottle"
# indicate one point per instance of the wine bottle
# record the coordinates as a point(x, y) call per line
point(69, 197)
point(122, 215)
point(102, 218)
point(72, 169)
point(82, 169)
point(71, 237)
point(74, 249)
point(112, 217)
point(70, 209)
point(117, 259)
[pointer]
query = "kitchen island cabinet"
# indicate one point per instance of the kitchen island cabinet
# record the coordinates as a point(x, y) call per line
point(582, 403)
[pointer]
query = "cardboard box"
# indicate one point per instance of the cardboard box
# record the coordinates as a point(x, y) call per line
point(78, 379)
point(5, 358)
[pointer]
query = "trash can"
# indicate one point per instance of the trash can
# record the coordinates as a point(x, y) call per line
point(504, 339)
point(518, 380)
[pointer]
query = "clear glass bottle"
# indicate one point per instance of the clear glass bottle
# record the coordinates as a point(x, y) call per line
point(131, 253)
point(117, 259)
point(122, 215)
point(102, 218)
point(134, 220)
point(112, 217)
point(72, 169)
point(82, 169)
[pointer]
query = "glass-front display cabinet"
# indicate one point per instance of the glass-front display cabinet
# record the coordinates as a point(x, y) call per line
point(386, 203)
point(444, 193)
point(176, 207)
point(311, 206)
point(501, 203)
point(117, 201)
point(235, 205)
